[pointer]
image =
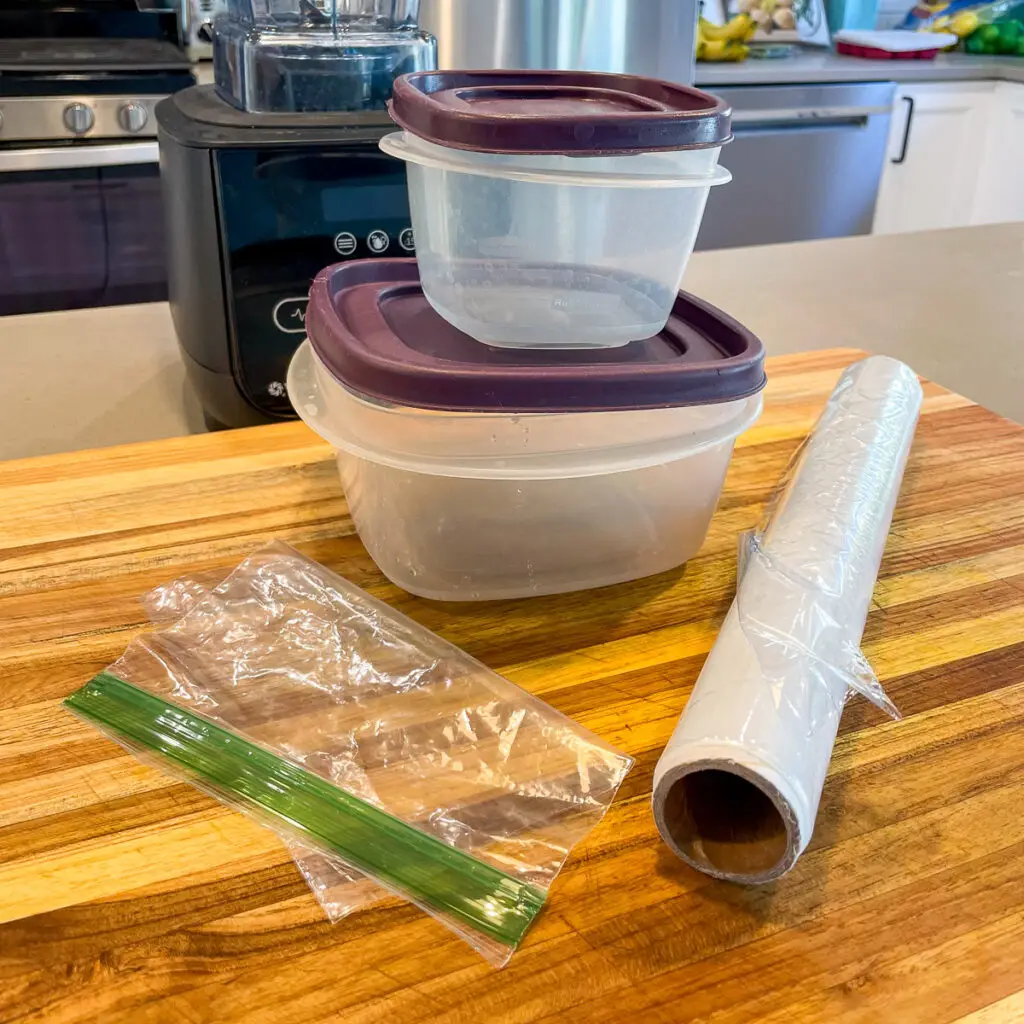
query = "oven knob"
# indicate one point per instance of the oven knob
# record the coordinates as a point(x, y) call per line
point(132, 117)
point(78, 118)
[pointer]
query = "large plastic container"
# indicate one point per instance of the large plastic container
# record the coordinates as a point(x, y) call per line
point(555, 209)
point(475, 473)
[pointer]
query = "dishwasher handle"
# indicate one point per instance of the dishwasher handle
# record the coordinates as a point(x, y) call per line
point(805, 117)
point(906, 132)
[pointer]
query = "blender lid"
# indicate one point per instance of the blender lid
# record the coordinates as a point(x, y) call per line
point(581, 112)
point(372, 327)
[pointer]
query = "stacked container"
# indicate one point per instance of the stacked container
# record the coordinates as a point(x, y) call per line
point(534, 407)
point(555, 209)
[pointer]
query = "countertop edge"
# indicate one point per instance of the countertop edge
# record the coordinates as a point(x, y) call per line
point(829, 68)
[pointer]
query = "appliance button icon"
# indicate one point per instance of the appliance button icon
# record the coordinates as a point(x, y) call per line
point(406, 240)
point(345, 243)
point(289, 315)
point(276, 389)
point(378, 240)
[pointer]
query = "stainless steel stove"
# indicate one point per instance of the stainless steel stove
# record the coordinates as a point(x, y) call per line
point(81, 221)
point(97, 55)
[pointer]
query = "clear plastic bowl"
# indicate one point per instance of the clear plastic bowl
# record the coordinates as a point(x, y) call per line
point(479, 506)
point(530, 251)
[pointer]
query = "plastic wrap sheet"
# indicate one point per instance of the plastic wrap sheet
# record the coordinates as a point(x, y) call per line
point(379, 747)
point(737, 788)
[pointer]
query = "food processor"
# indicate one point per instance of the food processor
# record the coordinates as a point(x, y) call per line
point(273, 173)
point(317, 55)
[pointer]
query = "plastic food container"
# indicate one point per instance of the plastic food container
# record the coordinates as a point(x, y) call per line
point(555, 209)
point(475, 473)
point(895, 45)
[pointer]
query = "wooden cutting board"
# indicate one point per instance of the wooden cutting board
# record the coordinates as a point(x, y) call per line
point(125, 896)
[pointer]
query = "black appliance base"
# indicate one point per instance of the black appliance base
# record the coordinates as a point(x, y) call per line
point(223, 404)
point(256, 205)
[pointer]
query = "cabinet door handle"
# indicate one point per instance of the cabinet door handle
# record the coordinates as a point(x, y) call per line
point(909, 100)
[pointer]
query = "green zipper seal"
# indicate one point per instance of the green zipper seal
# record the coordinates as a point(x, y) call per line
point(415, 864)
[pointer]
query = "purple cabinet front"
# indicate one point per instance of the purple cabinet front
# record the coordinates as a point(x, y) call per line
point(80, 236)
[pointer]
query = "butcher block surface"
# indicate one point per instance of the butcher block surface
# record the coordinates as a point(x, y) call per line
point(128, 896)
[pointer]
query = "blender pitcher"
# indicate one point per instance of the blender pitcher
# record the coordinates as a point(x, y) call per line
point(308, 56)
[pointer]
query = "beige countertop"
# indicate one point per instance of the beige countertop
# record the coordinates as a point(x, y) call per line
point(949, 303)
point(816, 64)
point(820, 65)
point(88, 378)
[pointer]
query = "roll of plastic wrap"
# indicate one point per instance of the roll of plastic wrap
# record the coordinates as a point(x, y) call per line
point(737, 788)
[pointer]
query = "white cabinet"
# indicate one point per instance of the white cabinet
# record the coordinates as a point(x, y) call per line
point(1000, 191)
point(956, 157)
point(937, 139)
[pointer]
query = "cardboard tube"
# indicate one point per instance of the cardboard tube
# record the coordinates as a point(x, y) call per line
point(737, 788)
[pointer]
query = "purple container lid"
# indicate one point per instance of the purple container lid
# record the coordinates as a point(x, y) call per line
point(372, 327)
point(581, 112)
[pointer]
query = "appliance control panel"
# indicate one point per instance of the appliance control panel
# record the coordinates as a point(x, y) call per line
point(285, 215)
point(52, 118)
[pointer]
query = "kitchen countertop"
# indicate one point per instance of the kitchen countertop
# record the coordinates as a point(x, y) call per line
point(946, 302)
point(126, 896)
point(87, 378)
point(816, 64)
point(826, 66)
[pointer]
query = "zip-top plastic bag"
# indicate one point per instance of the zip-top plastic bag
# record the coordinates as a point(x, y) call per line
point(296, 697)
point(338, 887)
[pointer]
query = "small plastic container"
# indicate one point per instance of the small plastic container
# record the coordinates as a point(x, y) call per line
point(475, 473)
point(555, 209)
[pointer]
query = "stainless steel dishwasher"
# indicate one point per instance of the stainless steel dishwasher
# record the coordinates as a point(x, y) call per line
point(806, 161)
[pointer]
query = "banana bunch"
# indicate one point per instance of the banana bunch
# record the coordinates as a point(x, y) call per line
point(725, 42)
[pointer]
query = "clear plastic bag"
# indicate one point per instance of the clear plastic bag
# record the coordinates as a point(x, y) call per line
point(338, 887)
point(374, 744)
